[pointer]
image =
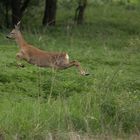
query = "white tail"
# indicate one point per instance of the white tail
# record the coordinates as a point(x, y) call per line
point(42, 58)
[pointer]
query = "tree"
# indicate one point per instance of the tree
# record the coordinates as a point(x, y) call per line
point(4, 11)
point(18, 8)
point(50, 12)
point(79, 13)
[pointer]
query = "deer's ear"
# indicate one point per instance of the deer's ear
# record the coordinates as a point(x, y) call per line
point(17, 26)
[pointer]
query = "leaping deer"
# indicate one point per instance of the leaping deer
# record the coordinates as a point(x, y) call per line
point(39, 57)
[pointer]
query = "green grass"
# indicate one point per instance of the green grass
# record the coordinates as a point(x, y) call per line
point(37, 103)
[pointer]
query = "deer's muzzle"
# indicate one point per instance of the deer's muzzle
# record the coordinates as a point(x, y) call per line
point(8, 36)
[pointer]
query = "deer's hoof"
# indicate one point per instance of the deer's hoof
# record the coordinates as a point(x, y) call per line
point(83, 73)
point(20, 65)
point(86, 74)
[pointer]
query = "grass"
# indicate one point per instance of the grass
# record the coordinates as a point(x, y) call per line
point(37, 103)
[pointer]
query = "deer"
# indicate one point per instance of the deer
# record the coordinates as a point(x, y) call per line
point(41, 58)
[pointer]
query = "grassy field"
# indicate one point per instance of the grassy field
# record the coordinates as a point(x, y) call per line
point(39, 104)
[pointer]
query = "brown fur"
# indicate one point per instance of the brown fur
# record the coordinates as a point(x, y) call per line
point(42, 58)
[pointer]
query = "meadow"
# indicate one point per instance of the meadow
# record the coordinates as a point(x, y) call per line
point(42, 104)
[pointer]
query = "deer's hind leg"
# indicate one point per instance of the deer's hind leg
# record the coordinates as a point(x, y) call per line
point(77, 65)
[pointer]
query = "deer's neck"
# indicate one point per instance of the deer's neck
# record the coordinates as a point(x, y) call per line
point(20, 40)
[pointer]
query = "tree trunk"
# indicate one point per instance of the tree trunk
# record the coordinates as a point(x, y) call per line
point(79, 14)
point(18, 7)
point(6, 15)
point(50, 12)
point(16, 12)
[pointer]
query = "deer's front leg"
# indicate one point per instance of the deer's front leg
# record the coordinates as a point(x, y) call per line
point(19, 57)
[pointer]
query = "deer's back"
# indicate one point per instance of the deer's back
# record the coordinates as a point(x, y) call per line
point(47, 59)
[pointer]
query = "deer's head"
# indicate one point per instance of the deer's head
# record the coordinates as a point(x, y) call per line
point(14, 33)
